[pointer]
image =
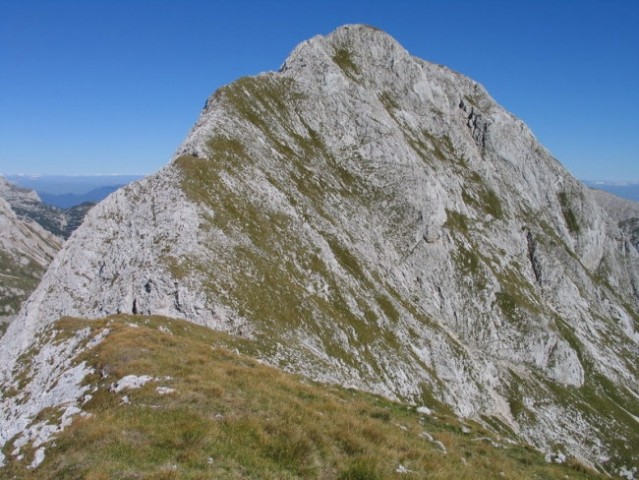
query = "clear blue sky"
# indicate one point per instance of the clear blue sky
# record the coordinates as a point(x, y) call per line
point(99, 86)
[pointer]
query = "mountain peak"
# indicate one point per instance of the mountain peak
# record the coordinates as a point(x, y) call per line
point(362, 39)
point(359, 52)
point(367, 41)
point(367, 218)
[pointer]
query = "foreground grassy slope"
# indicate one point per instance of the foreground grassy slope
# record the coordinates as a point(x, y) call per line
point(213, 412)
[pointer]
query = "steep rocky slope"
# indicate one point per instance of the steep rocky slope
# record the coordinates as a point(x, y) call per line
point(374, 220)
point(28, 205)
point(25, 252)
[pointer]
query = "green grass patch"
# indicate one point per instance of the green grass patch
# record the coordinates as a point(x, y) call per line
point(456, 222)
point(517, 298)
point(230, 417)
point(17, 281)
point(481, 197)
point(344, 60)
point(568, 213)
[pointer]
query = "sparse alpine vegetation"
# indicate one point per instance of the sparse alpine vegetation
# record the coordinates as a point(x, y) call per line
point(25, 252)
point(173, 400)
point(363, 218)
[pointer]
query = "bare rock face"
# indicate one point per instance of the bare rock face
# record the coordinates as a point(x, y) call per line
point(17, 195)
point(29, 207)
point(374, 220)
point(25, 252)
point(623, 212)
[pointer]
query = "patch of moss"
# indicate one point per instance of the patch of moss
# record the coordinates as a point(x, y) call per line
point(346, 259)
point(388, 308)
point(472, 266)
point(491, 203)
point(515, 396)
point(17, 281)
point(480, 196)
point(456, 221)
point(568, 213)
point(344, 60)
point(508, 305)
point(517, 297)
point(266, 101)
point(468, 261)
point(389, 103)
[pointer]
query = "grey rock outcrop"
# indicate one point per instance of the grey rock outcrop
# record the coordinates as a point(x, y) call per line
point(28, 206)
point(378, 221)
point(26, 250)
point(622, 211)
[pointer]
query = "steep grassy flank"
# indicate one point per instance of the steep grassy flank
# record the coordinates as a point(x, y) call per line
point(229, 417)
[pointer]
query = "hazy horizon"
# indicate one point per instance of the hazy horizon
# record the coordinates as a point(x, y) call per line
point(78, 185)
point(115, 86)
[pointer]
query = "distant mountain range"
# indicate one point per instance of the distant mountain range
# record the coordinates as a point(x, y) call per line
point(68, 200)
point(629, 190)
point(27, 205)
point(66, 191)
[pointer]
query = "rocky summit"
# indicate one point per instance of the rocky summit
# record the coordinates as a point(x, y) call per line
point(369, 219)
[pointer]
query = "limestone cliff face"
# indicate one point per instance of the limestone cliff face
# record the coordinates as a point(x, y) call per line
point(372, 219)
point(622, 212)
point(25, 252)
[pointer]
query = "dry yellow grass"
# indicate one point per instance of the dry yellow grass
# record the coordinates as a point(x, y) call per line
point(231, 417)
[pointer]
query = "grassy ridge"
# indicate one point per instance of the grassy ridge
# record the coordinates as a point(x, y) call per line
point(230, 417)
